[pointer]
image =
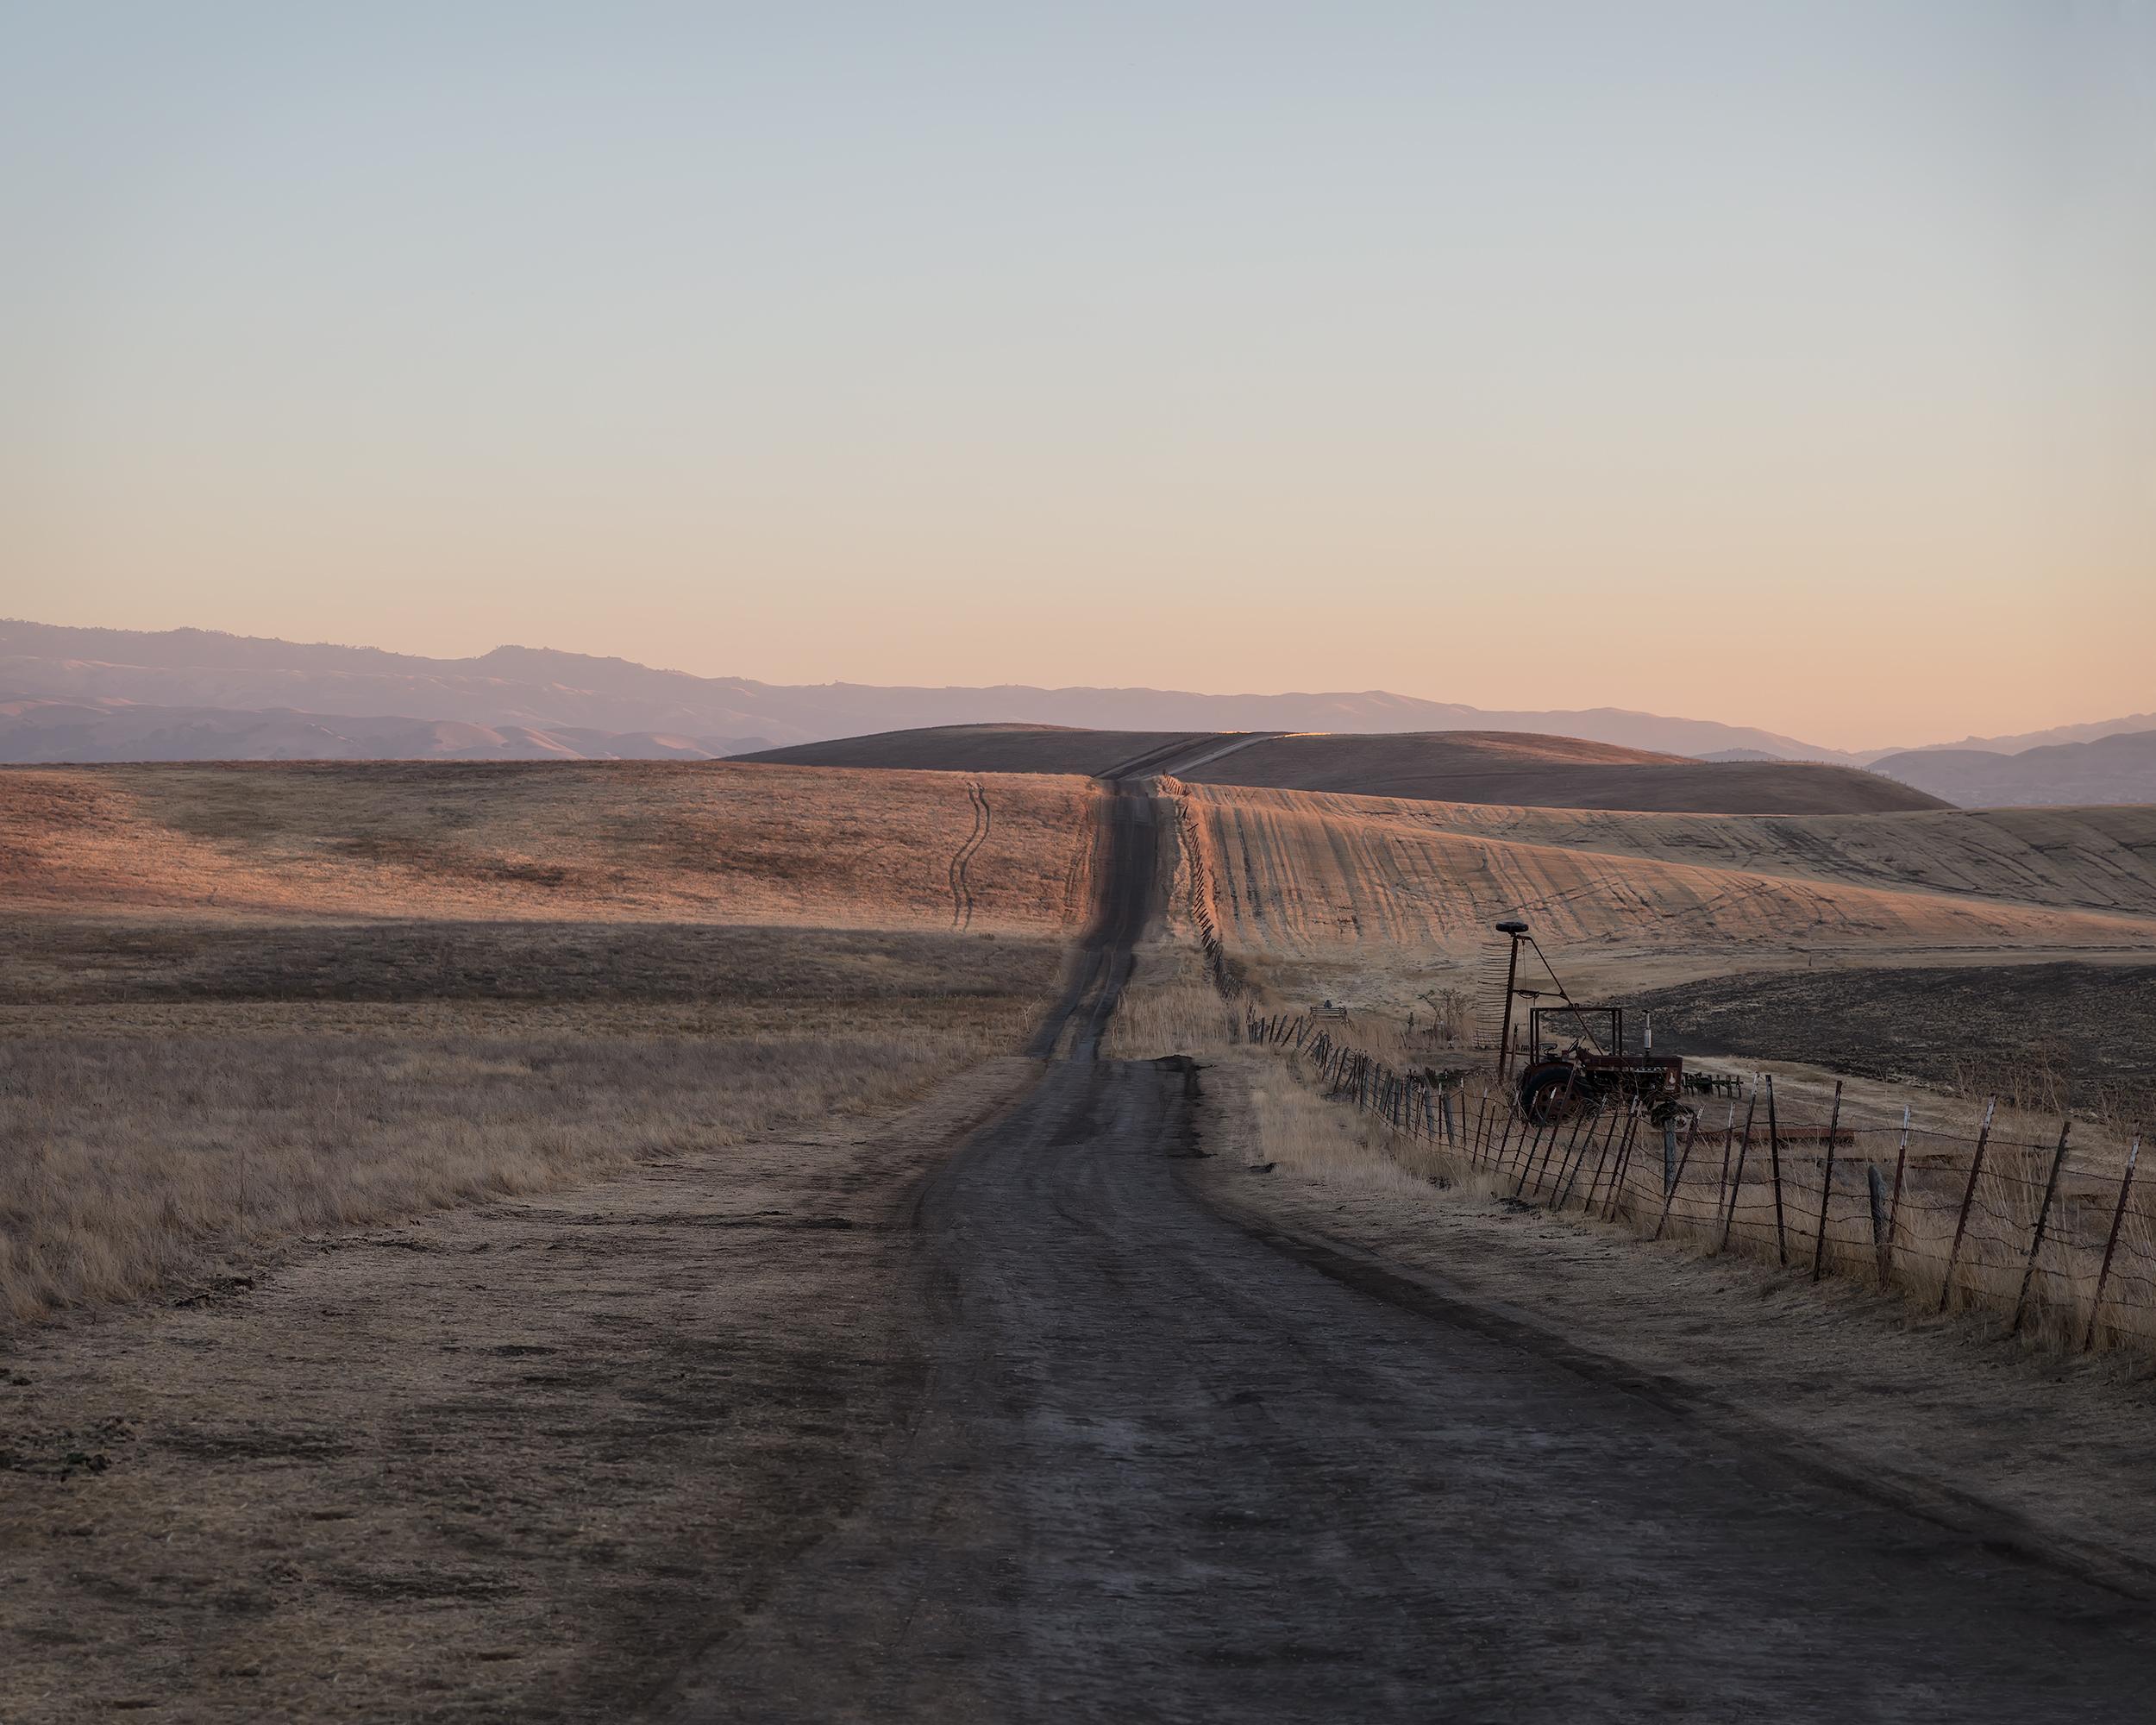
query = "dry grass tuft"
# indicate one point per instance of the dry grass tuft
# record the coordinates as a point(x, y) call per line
point(171, 1097)
point(126, 1164)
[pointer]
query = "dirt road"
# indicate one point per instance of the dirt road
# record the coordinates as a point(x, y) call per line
point(1166, 1469)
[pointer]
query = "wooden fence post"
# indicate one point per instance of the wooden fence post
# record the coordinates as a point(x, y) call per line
point(1774, 1152)
point(1969, 1197)
point(2110, 1246)
point(1894, 1210)
point(2043, 1214)
point(1827, 1187)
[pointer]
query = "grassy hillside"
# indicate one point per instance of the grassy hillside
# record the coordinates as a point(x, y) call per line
point(614, 841)
point(2068, 858)
point(1505, 768)
point(1553, 772)
point(983, 748)
point(1371, 887)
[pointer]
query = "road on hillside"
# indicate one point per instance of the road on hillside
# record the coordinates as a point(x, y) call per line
point(1164, 1470)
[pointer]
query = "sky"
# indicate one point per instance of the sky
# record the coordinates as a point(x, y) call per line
point(1789, 364)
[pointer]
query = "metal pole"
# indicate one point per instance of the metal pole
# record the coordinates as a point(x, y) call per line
point(1969, 1197)
point(2110, 1246)
point(1568, 1171)
point(1669, 1197)
point(1602, 1160)
point(1894, 1210)
point(1737, 1185)
point(1549, 1148)
point(1624, 1161)
point(1827, 1187)
point(1504, 1140)
point(1774, 1152)
point(1504, 1036)
point(2043, 1213)
point(1729, 1137)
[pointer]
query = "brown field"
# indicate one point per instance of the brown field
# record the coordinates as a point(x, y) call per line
point(1506, 767)
point(2098, 858)
point(241, 1003)
point(1363, 895)
point(600, 841)
point(442, 1208)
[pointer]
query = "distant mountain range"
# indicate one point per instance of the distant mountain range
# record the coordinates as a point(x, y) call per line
point(45, 730)
point(2027, 740)
point(111, 694)
point(2114, 768)
point(544, 690)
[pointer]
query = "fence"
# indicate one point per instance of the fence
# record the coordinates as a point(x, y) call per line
point(1218, 969)
point(2058, 1241)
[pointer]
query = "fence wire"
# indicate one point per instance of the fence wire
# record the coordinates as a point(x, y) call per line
point(2061, 1241)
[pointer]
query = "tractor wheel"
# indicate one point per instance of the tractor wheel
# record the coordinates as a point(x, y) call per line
point(1543, 1098)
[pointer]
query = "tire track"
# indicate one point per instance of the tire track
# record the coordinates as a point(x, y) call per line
point(962, 904)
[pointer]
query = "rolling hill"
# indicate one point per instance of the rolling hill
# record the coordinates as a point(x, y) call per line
point(625, 841)
point(1466, 766)
point(1380, 885)
point(1552, 772)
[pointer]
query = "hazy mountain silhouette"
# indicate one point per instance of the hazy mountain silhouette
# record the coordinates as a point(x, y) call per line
point(2120, 768)
point(546, 690)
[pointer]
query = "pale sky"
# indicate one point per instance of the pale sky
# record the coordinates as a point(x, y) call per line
point(1789, 364)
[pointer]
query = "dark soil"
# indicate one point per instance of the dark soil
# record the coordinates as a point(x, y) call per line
point(2093, 1025)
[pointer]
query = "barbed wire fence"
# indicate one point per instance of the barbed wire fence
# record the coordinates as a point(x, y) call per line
point(2058, 1240)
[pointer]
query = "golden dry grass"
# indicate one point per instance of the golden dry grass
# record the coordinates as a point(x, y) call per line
point(602, 841)
point(147, 1135)
point(2099, 859)
point(237, 1002)
point(1377, 901)
point(1267, 868)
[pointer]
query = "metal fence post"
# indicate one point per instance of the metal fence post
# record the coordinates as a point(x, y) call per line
point(1774, 1152)
point(2111, 1245)
point(1669, 1197)
point(1568, 1171)
point(2043, 1214)
point(1827, 1187)
point(1969, 1197)
point(1737, 1184)
point(1624, 1162)
point(1894, 1210)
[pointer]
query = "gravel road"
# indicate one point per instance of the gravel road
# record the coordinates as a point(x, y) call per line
point(1165, 1469)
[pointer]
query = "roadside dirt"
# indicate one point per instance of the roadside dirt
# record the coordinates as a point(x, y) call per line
point(517, 1462)
point(2045, 1458)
